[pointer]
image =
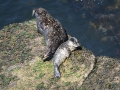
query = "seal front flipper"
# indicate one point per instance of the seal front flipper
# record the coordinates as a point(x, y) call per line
point(56, 71)
point(38, 31)
point(47, 54)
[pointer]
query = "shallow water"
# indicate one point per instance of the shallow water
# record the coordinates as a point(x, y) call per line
point(94, 22)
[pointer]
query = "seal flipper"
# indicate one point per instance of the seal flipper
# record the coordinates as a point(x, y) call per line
point(47, 53)
point(38, 31)
point(56, 71)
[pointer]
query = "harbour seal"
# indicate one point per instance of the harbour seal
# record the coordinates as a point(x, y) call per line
point(63, 52)
point(52, 30)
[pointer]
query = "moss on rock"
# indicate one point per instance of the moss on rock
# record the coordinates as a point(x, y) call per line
point(22, 68)
point(105, 75)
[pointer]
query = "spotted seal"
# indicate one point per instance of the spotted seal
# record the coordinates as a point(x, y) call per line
point(63, 52)
point(52, 30)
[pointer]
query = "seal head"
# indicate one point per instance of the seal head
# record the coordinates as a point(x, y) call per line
point(52, 30)
point(63, 52)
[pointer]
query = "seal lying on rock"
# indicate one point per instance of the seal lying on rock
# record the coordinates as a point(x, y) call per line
point(63, 52)
point(51, 29)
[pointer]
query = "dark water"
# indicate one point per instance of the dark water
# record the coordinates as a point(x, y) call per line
point(94, 22)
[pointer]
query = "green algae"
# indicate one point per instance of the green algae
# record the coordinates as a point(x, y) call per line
point(21, 65)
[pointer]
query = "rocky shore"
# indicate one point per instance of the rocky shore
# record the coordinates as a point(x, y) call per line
point(22, 68)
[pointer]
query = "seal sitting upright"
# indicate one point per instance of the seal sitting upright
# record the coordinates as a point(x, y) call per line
point(63, 52)
point(52, 30)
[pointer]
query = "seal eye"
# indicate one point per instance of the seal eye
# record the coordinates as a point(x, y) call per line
point(41, 11)
point(72, 39)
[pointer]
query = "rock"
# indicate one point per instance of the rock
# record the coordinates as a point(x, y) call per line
point(105, 75)
point(21, 49)
point(77, 67)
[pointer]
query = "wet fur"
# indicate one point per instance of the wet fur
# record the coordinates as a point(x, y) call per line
point(52, 30)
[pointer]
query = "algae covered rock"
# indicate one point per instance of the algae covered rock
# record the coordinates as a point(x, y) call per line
point(105, 75)
point(22, 68)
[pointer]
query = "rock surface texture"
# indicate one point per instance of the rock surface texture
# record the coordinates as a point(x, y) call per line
point(22, 68)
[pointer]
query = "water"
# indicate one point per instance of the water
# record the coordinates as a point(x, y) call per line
point(94, 22)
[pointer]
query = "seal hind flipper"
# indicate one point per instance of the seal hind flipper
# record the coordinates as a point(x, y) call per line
point(47, 53)
point(56, 71)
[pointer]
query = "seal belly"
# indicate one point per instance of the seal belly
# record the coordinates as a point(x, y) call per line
point(59, 57)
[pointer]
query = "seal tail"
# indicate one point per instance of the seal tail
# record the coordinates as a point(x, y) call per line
point(56, 71)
